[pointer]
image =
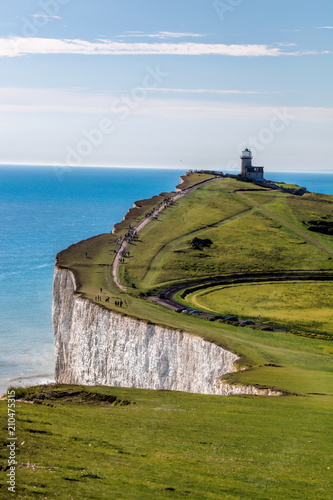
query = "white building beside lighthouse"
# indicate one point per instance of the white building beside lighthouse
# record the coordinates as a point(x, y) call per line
point(247, 170)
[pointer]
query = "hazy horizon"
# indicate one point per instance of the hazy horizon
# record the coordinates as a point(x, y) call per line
point(161, 167)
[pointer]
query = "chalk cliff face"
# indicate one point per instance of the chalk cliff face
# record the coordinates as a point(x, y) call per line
point(95, 346)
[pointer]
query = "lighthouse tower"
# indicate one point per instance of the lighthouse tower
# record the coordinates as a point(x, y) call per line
point(247, 170)
point(246, 158)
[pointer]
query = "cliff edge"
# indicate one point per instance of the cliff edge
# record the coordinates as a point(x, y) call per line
point(95, 346)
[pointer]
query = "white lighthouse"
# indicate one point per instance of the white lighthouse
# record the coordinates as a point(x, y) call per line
point(246, 158)
point(247, 170)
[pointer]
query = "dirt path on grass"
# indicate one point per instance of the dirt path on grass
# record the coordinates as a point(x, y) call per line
point(142, 224)
point(159, 258)
point(290, 226)
point(196, 303)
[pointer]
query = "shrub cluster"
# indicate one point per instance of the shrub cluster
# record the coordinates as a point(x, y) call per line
point(199, 244)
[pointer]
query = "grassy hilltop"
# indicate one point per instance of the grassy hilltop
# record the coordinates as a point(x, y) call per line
point(134, 444)
point(245, 238)
point(252, 230)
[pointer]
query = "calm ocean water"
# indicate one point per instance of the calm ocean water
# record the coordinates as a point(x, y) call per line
point(43, 211)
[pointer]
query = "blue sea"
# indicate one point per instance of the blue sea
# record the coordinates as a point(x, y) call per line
point(43, 210)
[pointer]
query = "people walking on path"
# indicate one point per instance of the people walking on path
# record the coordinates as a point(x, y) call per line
point(133, 232)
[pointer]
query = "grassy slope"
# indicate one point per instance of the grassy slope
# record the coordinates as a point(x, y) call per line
point(297, 210)
point(136, 214)
point(164, 255)
point(191, 216)
point(193, 179)
point(172, 445)
point(287, 186)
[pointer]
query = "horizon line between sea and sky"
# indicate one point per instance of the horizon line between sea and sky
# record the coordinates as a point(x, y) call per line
point(160, 167)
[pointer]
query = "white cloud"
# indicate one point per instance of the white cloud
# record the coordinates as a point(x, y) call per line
point(324, 27)
point(45, 108)
point(234, 111)
point(287, 44)
point(203, 91)
point(44, 16)
point(82, 102)
point(160, 34)
point(49, 100)
point(20, 46)
point(312, 52)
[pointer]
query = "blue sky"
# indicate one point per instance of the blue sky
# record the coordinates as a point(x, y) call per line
point(180, 84)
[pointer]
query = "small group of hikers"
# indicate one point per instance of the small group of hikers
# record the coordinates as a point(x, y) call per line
point(166, 201)
point(118, 303)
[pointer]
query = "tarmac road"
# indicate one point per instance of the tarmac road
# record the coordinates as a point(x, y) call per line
point(169, 293)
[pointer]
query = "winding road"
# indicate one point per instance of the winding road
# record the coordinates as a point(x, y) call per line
point(169, 293)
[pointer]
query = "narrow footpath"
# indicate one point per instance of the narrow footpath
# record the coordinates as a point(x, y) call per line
point(142, 224)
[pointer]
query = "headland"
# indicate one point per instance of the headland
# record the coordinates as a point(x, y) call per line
point(223, 255)
point(156, 271)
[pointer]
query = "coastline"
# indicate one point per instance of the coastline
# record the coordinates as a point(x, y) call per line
point(32, 329)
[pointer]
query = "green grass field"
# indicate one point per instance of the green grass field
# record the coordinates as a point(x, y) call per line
point(160, 444)
point(293, 304)
point(287, 186)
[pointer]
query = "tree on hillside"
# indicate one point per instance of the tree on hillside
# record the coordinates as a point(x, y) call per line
point(199, 244)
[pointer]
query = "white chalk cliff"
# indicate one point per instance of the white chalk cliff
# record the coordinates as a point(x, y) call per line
point(95, 346)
